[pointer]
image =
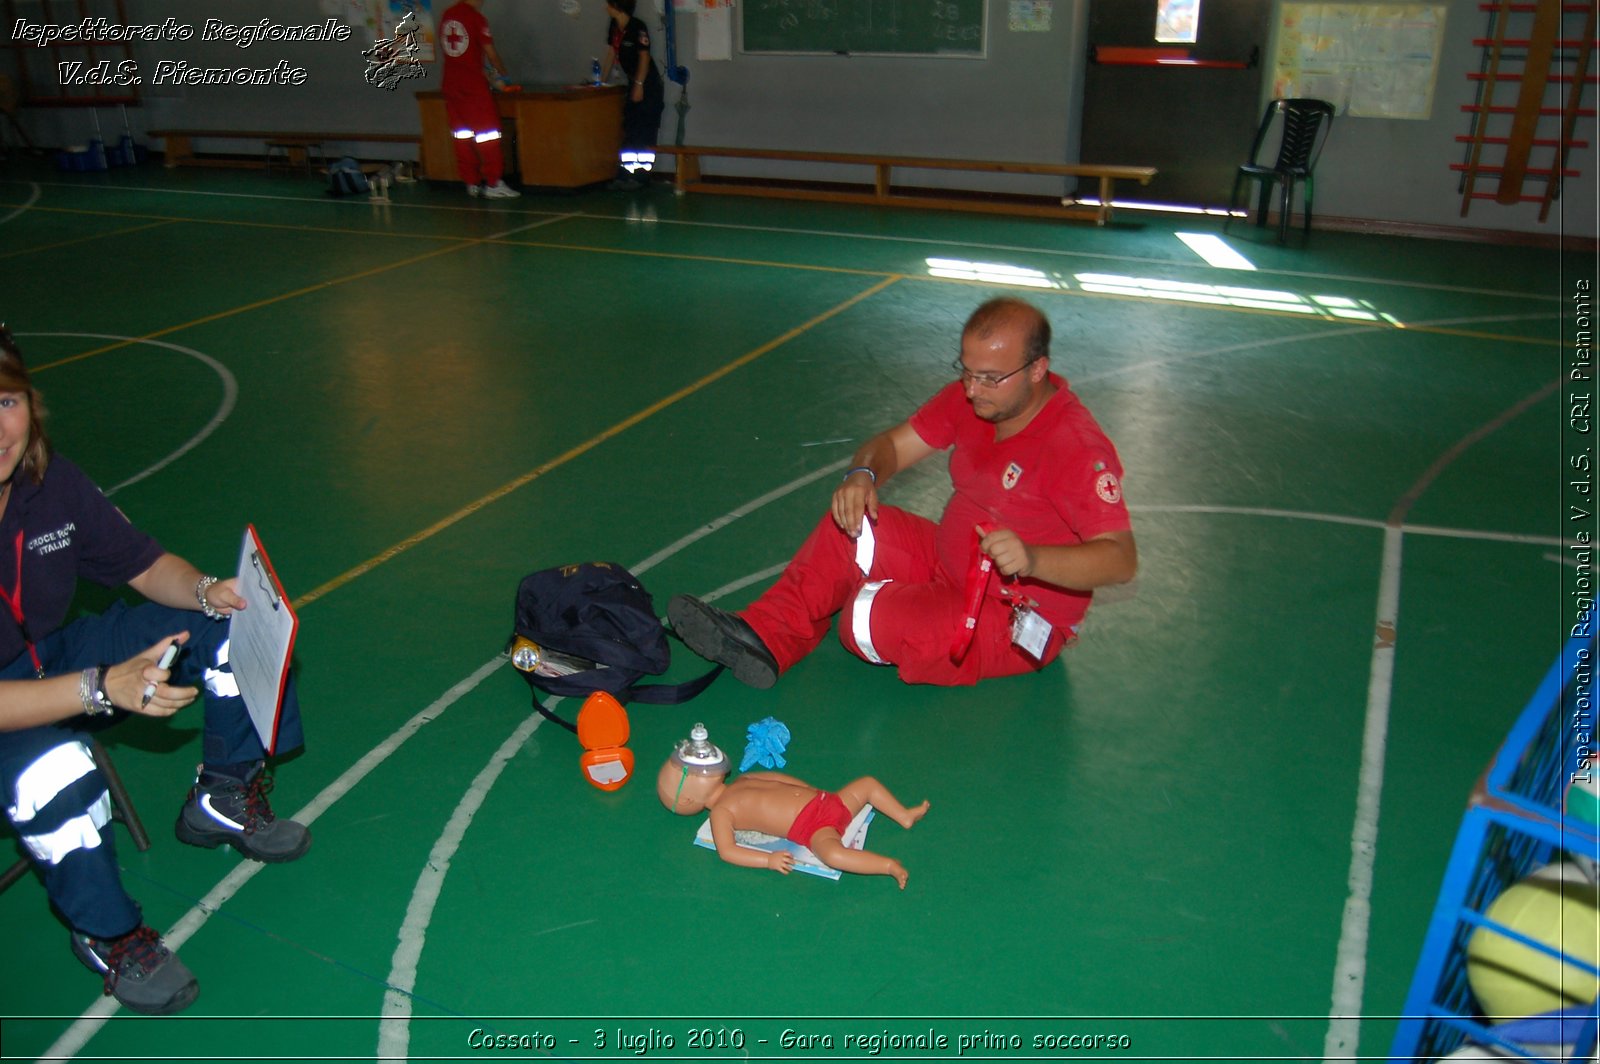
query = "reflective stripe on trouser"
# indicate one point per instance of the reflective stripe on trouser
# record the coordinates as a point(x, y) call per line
point(825, 574)
point(123, 631)
point(45, 779)
point(479, 158)
point(861, 621)
point(56, 799)
point(84, 882)
point(909, 620)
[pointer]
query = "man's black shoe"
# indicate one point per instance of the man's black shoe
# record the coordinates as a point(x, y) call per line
point(725, 638)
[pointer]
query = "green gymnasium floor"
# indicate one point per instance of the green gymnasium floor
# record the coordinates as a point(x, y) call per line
point(418, 402)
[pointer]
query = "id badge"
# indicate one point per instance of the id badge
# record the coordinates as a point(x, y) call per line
point(1030, 632)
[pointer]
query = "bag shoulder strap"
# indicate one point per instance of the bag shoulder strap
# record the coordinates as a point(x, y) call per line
point(668, 694)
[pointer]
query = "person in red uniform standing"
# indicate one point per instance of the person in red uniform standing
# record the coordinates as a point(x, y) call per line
point(1038, 500)
point(467, 44)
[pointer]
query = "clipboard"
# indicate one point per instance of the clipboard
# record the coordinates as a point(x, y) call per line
point(261, 638)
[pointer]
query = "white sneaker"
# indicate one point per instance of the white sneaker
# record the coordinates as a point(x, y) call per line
point(474, 190)
point(500, 190)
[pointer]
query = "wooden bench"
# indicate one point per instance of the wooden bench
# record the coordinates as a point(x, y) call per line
point(296, 146)
point(883, 191)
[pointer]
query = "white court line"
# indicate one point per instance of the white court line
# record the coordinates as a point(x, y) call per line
point(230, 395)
point(883, 238)
point(1343, 519)
point(1320, 337)
point(394, 1027)
point(32, 199)
point(93, 1018)
point(88, 1025)
point(1350, 966)
point(744, 582)
point(733, 515)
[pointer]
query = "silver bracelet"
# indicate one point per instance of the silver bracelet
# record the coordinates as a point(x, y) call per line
point(92, 692)
point(861, 469)
point(86, 691)
point(200, 590)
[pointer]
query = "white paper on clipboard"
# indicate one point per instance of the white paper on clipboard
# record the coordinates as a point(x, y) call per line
point(261, 638)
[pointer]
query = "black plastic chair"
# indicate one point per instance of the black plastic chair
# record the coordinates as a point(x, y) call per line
point(1306, 124)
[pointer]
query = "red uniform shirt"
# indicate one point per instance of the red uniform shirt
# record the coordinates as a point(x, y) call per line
point(1057, 481)
point(463, 31)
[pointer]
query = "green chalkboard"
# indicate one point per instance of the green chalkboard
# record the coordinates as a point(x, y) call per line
point(864, 27)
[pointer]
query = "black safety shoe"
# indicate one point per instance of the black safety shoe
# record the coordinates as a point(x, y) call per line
point(725, 638)
point(222, 809)
point(139, 970)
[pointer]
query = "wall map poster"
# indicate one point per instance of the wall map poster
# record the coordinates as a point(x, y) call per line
point(1369, 60)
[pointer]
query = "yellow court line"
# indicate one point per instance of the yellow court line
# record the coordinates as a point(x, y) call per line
point(219, 315)
point(588, 445)
point(85, 239)
point(1435, 330)
point(721, 260)
point(284, 226)
point(1290, 315)
point(1439, 330)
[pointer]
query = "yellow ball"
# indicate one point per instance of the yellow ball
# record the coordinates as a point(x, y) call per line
point(1557, 905)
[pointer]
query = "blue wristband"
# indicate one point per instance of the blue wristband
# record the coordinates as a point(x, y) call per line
point(861, 469)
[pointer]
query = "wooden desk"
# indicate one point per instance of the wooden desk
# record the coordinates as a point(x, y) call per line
point(566, 136)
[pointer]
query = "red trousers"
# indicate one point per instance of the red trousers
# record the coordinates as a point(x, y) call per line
point(475, 133)
point(904, 612)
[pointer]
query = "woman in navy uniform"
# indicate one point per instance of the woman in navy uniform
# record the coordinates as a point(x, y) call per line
point(61, 680)
point(628, 47)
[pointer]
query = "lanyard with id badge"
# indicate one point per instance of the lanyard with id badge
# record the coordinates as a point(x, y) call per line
point(1030, 632)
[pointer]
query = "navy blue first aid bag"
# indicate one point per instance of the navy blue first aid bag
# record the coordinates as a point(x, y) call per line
point(346, 179)
point(593, 627)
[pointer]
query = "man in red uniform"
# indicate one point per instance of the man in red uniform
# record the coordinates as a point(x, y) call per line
point(1038, 496)
point(467, 44)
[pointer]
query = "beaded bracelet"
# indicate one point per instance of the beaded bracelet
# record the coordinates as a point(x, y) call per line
point(200, 590)
point(861, 469)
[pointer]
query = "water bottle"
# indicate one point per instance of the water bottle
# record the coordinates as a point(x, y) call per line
point(594, 71)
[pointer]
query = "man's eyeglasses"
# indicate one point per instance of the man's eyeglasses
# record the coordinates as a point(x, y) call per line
point(986, 380)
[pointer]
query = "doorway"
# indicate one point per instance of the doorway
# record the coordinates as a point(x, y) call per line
point(1189, 110)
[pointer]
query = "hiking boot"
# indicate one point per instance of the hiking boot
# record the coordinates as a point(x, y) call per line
point(500, 190)
point(725, 638)
point(139, 970)
point(225, 809)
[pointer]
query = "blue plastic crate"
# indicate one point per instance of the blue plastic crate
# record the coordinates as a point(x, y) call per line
point(1514, 824)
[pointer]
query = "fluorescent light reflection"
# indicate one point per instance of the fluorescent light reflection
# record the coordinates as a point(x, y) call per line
point(992, 272)
point(1167, 208)
point(1332, 307)
point(1215, 251)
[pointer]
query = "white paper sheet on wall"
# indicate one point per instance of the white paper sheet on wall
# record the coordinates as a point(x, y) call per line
point(713, 38)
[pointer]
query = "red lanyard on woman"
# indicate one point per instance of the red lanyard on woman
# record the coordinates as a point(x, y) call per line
point(13, 598)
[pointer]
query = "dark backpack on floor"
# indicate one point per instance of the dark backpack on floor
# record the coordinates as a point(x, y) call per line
point(346, 179)
point(593, 627)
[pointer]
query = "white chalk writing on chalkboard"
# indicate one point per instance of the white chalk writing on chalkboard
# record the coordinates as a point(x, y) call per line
point(865, 27)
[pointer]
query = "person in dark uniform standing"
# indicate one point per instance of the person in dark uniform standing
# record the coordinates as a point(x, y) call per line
point(628, 47)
